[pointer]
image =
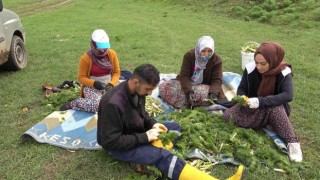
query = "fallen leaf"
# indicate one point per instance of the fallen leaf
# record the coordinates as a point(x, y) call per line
point(25, 109)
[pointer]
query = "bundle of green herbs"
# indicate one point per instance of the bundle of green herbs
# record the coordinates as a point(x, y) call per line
point(55, 100)
point(153, 106)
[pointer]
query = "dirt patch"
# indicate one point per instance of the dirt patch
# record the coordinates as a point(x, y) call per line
point(3, 56)
point(49, 170)
point(31, 8)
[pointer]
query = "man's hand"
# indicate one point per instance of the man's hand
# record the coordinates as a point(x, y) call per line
point(153, 134)
point(108, 87)
point(99, 85)
point(253, 103)
point(160, 126)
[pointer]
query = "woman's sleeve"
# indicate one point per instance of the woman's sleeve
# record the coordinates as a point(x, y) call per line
point(186, 73)
point(285, 94)
point(116, 68)
point(83, 71)
point(243, 86)
point(216, 79)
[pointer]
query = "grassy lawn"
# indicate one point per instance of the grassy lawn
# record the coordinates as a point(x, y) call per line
point(141, 31)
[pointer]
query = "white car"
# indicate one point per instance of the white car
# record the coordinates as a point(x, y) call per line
point(13, 54)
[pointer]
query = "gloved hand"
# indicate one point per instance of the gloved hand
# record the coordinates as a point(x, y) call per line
point(253, 103)
point(213, 96)
point(245, 99)
point(160, 126)
point(153, 134)
point(158, 143)
point(99, 85)
point(108, 87)
point(191, 97)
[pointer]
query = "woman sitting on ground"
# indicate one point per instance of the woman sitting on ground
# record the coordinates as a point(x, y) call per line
point(99, 71)
point(200, 77)
point(268, 83)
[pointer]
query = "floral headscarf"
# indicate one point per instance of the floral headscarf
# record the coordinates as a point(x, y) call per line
point(100, 58)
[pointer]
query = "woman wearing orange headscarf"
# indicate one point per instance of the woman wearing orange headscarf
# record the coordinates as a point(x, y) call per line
point(268, 83)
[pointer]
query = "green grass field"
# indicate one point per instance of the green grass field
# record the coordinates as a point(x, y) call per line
point(141, 31)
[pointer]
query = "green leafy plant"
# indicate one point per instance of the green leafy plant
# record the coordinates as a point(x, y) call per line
point(250, 47)
point(153, 106)
point(167, 137)
point(241, 100)
point(55, 100)
point(212, 134)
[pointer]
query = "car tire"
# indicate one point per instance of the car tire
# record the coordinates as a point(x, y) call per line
point(18, 55)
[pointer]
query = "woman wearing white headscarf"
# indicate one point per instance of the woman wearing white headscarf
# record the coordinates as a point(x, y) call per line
point(200, 77)
point(99, 71)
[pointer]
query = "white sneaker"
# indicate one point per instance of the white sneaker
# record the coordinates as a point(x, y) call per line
point(295, 153)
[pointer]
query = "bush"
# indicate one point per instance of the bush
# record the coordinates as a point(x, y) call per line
point(284, 4)
point(266, 17)
point(308, 4)
point(290, 10)
point(315, 14)
point(238, 10)
point(285, 19)
point(265, 11)
point(269, 5)
point(256, 12)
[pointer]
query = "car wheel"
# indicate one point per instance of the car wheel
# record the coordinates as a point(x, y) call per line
point(18, 55)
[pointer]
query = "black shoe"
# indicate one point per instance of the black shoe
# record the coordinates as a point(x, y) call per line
point(65, 106)
point(205, 104)
point(225, 102)
point(69, 84)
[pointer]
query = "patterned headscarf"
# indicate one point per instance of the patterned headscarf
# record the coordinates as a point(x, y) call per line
point(273, 54)
point(100, 58)
point(201, 62)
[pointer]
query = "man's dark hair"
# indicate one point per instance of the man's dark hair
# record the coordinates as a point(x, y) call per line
point(147, 73)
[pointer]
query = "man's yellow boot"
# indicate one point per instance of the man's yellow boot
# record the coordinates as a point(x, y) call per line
point(238, 175)
point(191, 173)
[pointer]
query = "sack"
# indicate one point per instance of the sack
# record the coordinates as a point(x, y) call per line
point(247, 52)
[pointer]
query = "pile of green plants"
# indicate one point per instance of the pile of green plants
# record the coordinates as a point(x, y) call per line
point(153, 106)
point(211, 134)
point(55, 100)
